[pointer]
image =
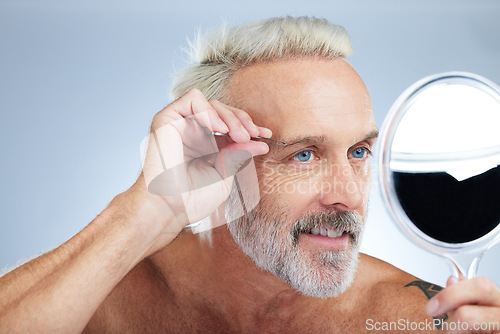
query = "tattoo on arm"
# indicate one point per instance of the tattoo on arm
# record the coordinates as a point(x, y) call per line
point(430, 290)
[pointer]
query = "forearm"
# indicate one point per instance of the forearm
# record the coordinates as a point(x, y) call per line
point(60, 291)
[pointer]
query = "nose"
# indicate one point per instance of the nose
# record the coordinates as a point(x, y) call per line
point(342, 188)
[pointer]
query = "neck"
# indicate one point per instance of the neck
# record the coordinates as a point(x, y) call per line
point(210, 270)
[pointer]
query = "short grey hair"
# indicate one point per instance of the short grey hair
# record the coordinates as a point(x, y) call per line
point(215, 57)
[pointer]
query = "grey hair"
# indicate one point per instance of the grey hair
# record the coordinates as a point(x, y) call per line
point(215, 57)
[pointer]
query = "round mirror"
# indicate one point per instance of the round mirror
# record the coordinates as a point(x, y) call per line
point(439, 166)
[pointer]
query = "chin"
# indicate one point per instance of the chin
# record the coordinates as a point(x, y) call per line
point(320, 274)
point(268, 238)
point(329, 276)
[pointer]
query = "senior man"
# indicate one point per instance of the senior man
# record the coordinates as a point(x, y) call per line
point(287, 260)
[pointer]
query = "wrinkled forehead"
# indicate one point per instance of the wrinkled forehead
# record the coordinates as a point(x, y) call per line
point(307, 95)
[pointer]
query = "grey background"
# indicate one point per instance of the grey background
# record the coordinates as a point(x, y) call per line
point(81, 80)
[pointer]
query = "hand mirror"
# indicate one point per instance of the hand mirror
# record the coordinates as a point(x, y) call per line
point(439, 157)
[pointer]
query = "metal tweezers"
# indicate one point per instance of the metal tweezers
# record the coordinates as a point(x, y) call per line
point(268, 141)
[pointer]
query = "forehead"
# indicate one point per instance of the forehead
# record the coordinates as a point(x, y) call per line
point(303, 97)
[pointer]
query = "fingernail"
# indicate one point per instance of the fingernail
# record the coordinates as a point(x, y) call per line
point(451, 280)
point(432, 307)
point(268, 132)
point(222, 125)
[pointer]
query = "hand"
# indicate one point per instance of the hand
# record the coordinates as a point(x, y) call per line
point(184, 172)
point(185, 178)
point(470, 304)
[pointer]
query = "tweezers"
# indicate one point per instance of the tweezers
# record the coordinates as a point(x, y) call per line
point(268, 141)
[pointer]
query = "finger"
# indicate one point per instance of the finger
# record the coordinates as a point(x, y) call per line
point(237, 130)
point(217, 181)
point(201, 106)
point(234, 156)
point(246, 120)
point(223, 141)
point(265, 132)
point(479, 290)
point(451, 280)
point(194, 103)
point(473, 319)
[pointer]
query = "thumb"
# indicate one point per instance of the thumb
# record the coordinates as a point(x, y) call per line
point(234, 157)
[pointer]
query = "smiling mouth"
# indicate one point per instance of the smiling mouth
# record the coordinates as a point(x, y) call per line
point(324, 231)
point(323, 237)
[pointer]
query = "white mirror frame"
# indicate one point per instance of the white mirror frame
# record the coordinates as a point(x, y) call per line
point(388, 130)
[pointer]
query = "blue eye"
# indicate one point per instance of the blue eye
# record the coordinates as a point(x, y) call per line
point(303, 156)
point(360, 153)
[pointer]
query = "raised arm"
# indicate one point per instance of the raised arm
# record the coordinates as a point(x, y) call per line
point(59, 291)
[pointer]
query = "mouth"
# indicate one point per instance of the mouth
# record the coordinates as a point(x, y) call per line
point(326, 232)
point(325, 237)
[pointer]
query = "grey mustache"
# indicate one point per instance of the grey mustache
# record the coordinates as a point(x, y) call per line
point(348, 221)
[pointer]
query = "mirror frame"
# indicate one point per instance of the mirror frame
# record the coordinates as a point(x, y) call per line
point(388, 130)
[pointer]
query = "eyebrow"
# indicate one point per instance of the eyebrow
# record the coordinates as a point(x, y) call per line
point(291, 142)
point(371, 135)
point(311, 140)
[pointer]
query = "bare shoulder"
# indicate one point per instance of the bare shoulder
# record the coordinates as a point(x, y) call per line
point(378, 271)
point(393, 293)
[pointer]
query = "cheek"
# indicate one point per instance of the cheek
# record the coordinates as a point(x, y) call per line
point(280, 183)
point(365, 177)
point(365, 180)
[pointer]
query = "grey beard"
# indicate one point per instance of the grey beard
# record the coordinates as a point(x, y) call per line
point(272, 246)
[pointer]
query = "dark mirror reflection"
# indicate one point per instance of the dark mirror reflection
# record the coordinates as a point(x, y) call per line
point(449, 210)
